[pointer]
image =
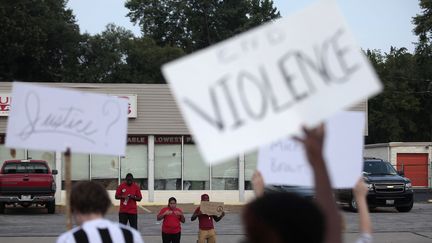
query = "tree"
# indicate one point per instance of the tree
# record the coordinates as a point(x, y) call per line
point(103, 56)
point(38, 40)
point(402, 111)
point(195, 24)
point(116, 56)
point(391, 113)
point(423, 54)
point(145, 59)
point(423, 28)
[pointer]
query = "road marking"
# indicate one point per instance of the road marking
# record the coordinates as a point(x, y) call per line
point(145, 209)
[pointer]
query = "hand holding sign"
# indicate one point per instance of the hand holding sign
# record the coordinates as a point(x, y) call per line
point(212, 208)
point(285, 162)
point(45, 118)
point(264, 84)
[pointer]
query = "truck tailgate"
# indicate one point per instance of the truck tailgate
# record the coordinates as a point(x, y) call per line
point(25, 183)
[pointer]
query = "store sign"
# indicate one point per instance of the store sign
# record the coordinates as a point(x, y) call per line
point(44, 118)
point(284, 162)
point(166, 139)
point(132, 105)
point(266, 83)
point(137, 139)
point(5, 101)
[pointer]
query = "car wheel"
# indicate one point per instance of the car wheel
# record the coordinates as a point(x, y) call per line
point(2, 208)
point(51, 207)
point(353, 204)
point(405, 208)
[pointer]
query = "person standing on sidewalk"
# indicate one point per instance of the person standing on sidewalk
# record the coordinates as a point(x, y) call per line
point(128, 193)
point(206, 228)
point(89, 202)
point(172, 218)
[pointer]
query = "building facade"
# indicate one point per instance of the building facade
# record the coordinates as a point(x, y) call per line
point(413, 158)
point(160, 153)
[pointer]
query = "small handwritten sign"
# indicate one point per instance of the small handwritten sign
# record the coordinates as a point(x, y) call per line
point(212, 208)
point(285, 163)
point(44, 118)
point(265, 83)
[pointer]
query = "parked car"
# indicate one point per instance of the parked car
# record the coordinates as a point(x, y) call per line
point(387, 187)
point(303, 191)
point(26, 183)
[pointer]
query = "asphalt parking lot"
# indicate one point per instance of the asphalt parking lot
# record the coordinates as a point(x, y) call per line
point(35, 225)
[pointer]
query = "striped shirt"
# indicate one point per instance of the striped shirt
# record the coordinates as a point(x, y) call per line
point(101, 231)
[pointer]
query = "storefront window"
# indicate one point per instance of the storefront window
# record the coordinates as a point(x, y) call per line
point(167, 167)
point(79, 168)
point(225, 175)
point(196, 172)
point(135, 162)
point(49, 157)
point(250, 167)
point(5, 154)
point(105, 170)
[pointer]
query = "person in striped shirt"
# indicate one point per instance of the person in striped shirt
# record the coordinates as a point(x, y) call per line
point(89, 202)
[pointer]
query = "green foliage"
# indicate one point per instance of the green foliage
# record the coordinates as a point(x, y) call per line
point(403, 111)
point(423, 28)
point(195, 24)
point(145, 59)
point(38, 40)
point(116, 56)
point(102, 57)
point(391, 113)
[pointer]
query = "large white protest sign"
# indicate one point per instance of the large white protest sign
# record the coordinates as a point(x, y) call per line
point(285, 163)
point(267, 82)
point(44, 118)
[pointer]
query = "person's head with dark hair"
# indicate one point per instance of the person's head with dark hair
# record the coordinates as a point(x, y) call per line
point(89, 200)
point(283, 217)
point(172, 203)
point(129, 178)
point(205, 197)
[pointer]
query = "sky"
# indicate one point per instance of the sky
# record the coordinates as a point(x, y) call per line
point(376, 24)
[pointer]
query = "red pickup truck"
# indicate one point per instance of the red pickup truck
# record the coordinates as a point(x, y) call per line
point(27, 182)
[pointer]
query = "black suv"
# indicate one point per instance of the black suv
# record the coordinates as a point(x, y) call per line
point(387, 188)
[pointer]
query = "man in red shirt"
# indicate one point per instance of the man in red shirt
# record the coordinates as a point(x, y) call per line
point(128, 193)
point(206, 227)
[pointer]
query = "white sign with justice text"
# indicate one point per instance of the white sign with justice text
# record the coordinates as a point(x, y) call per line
point(285, 162)
point(54, 119)
point(264, 84)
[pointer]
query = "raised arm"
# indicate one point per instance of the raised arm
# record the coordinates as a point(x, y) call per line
point(218, 218)
point(258, 183)
point(196, 213)
point(313, 142)
point(360, 192)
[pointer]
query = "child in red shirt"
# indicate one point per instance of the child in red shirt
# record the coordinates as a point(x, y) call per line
point(171, 227)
